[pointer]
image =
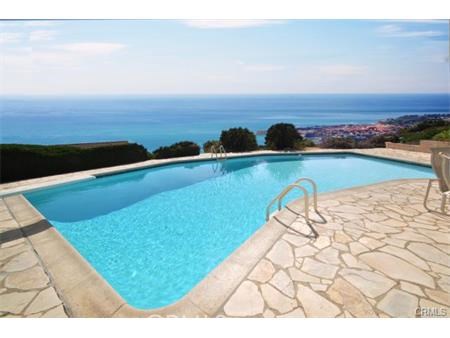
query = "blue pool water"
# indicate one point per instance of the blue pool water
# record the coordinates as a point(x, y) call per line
point(154, 234)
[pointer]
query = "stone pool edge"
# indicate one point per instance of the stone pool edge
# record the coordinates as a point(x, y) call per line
point(85, 293)
point(25, 186)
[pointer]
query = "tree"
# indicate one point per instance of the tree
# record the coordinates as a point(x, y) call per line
point(282, 136)
point(238, 140)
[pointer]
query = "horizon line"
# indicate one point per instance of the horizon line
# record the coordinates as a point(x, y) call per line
point(220, 94)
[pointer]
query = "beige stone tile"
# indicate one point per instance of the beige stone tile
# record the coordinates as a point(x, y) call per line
point(245, 302)
point(299, 276)
point(21, 262)
point(45, 300)
point(281, 254)
point(15, 302)
point(406, 255)
point(396, 268)
point(305, 250)
point(429, 253)
point(353, 262)
point(283, 283)
point(276, 300)
point(297, 313)
point(357, 248)
point(411, 288)
point(57, 312)
point(399, 304)
point(439, 296)
point(263, 271)
point(329, 255)
point(34, 278)
point(369, 283)
point(318, 269)
point(316, 305)
point(350, 298)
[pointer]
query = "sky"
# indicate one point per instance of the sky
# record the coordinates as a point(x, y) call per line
point(153, 57)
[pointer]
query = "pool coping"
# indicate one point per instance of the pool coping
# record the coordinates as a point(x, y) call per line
point(85, 293)
point(36, 184)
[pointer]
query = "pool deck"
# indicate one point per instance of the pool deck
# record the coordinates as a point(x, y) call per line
point(379, 254)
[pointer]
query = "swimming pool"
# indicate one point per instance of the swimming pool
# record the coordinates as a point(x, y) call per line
point(154, 234)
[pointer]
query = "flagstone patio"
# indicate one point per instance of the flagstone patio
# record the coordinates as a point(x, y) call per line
point(379, 253)
point(26, 289)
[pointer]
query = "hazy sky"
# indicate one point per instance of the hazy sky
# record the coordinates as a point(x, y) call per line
point(249, 56)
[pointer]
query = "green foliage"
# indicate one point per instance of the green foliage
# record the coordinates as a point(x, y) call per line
point(305, 143)
point(378, 141)
point(282, 136)
point(24, 161)
point(427, 124)
point(442, 136)
point(211, 143)
point(425, 130)
point(179, 149)
point(302, 144)
point(238, 140)
point(338, 143)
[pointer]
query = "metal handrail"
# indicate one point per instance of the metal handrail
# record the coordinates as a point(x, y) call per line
point(285, 191)
point(218, 153)
point(314, 187)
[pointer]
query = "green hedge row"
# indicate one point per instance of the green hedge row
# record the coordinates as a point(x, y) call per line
point(180, 149)
point(23, 161)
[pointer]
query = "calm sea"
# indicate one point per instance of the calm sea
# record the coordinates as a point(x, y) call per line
point(155, 121)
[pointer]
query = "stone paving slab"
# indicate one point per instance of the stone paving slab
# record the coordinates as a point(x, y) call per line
point(25, 287)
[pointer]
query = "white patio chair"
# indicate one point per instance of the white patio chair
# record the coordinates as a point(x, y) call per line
point(440, 161)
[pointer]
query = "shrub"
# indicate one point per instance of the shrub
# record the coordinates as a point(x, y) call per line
point(211, 143)
point(425, 130)
point(238, 140)
point(442, 136)
point(378, 141)
point(180, 149)
point(300, 145)
point(338, 143)
point(24, 161)
point(282, 136)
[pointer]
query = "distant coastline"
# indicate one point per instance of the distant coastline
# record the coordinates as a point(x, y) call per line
point(159, 121)
point(363, 131)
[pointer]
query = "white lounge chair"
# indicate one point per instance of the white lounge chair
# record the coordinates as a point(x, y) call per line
point(440, 161)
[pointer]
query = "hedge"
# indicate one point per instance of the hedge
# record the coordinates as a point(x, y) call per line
point(24, 161)
point(180, 149)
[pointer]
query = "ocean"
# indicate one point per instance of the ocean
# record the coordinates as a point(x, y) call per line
point(154, 121)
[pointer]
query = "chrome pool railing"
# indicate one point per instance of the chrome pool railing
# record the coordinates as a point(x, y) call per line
point(219, 153)
point(297, 184)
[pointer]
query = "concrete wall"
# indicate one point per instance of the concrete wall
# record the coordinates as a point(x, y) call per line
point(423, 147)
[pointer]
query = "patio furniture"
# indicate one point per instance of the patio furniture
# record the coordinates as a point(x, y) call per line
point(440, 161)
